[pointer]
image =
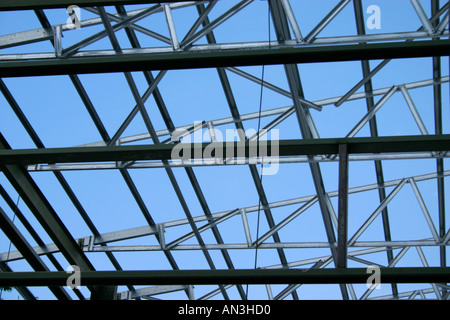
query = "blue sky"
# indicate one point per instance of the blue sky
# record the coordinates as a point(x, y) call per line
point(57, 114)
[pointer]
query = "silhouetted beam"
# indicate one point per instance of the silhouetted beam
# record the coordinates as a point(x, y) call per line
point(138, 60)
point(247, 276)
point(285, 148)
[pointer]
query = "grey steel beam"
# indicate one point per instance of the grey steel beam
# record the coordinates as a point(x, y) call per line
point(372, 111)
point(286, 148)
point(423, 17)
point(342, 228)
point(283, 223)
point(220, 58)
point(380, 208)
point(413, 109)
point(326, 20)
point(209, 225)
point(200, 20)
point(367, 77)
point(209, 27)
point(99, 35)
point(292, 20)
point(232, 161)
point(381, 245)
point(271, 86)
point(424, 210)
point(38, 35)
point(259, 276)
point(121, 17)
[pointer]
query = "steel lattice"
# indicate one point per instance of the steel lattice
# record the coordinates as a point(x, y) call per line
point(93, 107)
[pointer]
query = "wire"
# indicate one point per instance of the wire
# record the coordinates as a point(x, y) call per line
point(257, 140)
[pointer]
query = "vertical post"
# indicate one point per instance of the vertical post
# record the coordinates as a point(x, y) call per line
point(342, 207)
point(171, 26)
point(57, 35)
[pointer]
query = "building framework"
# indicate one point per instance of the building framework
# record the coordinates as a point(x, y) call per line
point(360, 185)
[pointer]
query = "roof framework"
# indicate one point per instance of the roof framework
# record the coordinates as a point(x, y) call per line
point(360, 160)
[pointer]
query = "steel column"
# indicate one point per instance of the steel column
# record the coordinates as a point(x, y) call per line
point(343, 207)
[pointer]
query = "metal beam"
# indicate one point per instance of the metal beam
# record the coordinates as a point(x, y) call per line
point(136, 61)
point(343, 207)
point(285, 148)
point(251, 276)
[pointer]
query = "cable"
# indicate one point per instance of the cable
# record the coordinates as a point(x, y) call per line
point(257, 141)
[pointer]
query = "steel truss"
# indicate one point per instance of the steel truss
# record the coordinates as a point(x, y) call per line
point(347, 246)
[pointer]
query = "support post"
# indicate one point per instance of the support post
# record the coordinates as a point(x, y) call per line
point(343, 207)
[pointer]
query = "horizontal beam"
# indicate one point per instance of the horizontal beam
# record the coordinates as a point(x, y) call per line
point(201, 163)
point(9, 5)
point(135, 61)
point(384, 245)
point(285, 148)
point(247, 276)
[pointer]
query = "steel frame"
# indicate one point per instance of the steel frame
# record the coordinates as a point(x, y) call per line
point(199, 48)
